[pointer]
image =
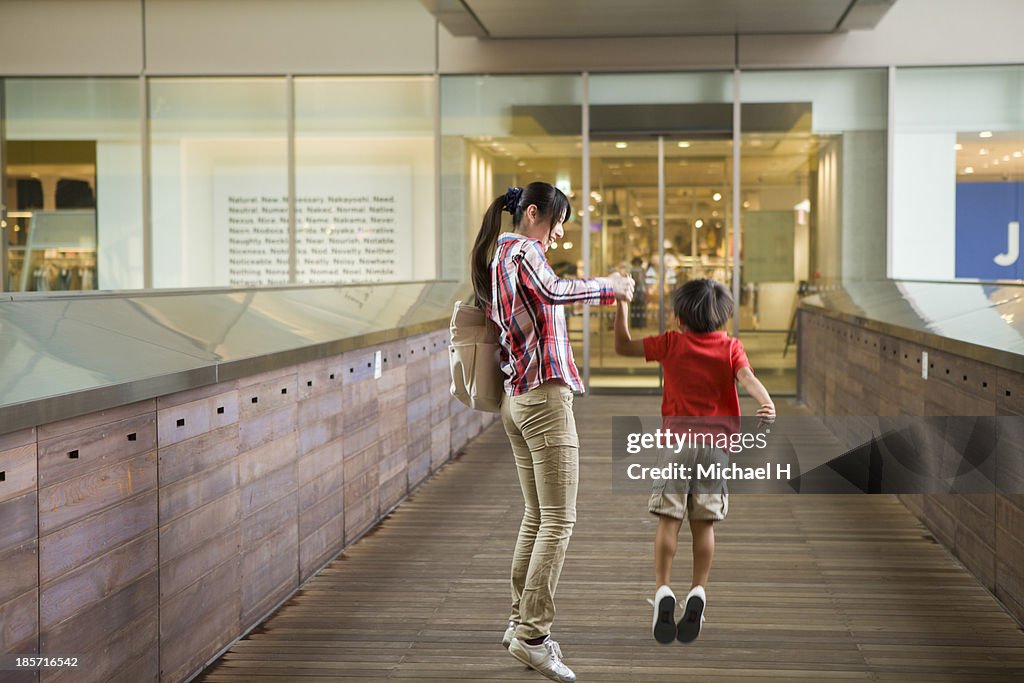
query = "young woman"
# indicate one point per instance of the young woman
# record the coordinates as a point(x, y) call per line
point(521, 293)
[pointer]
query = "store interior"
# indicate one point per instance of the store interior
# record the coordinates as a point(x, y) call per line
point(51, 195)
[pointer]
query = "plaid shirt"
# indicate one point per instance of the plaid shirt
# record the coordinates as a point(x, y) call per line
point(527, 304)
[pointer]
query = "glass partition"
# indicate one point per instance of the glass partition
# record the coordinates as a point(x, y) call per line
point(813, 199)
point(958, 167)
point(219, 156)
point(498, 131)
point(364, 179)
point(73, 184)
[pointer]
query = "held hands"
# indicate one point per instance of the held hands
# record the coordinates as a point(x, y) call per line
point(623, 286)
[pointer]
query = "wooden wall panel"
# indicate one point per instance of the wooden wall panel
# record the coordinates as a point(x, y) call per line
point(319, 464)
point(98, 540)
point(982, 530)
point(268, 449)
point(200, 538)
point(19, 562)
point(165, 529)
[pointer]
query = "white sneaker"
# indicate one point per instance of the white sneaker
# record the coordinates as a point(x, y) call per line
point(693, 615)
point(545, 658)
point(510, 633)
point(664, 627)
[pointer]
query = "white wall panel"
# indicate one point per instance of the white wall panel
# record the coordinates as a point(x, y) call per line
point(913, 32)
point(71, 37)
point(206, 37)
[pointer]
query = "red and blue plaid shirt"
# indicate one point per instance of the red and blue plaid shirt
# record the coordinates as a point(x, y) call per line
point(527, 300)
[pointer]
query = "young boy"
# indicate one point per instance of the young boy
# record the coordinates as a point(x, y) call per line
point(702, 365)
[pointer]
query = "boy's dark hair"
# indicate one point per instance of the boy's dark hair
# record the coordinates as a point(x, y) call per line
point(703, 305)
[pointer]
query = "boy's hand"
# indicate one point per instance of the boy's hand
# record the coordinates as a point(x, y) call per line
point(766, 413)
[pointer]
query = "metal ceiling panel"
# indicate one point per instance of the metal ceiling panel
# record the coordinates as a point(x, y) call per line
point(500, 19)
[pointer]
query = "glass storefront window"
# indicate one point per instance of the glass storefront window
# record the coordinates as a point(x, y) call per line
point(73, 184)
point(958, 167)
point(813, 199)
point(364, 179)
point(219, 156)
point(499, 131)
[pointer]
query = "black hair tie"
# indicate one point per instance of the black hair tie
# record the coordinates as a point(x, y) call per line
point(512, 196)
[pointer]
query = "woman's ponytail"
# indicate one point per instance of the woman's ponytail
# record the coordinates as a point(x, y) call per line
point(487, 238)
point(483, 250)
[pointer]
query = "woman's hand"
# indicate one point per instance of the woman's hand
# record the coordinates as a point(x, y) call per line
point(623, 286)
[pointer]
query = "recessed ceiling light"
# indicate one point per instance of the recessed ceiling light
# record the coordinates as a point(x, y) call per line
point(567, 245)
point(958, 147)
point(969, 169)
point(1006, 157)
point(1017, 155)
point(520, 163)
point(621, 145)
point(698, 224)
point(717, 196)
point(985, 134)
point(982, 151)
point(683, 143)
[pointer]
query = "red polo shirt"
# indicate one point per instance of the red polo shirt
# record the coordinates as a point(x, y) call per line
point(700, 372)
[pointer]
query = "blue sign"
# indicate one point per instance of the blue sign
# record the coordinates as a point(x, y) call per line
point(988, 230)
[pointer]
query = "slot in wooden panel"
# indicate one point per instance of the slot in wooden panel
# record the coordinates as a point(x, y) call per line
point(185, 459)
point(68, 501)
point(94, 448)
point(91, 421)
point(18, 465)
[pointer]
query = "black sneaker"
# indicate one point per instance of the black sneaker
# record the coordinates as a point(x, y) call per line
point(693, 615)
point(664, 627)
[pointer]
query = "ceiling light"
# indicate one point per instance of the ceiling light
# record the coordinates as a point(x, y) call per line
point(683, 143)
point(746, 205)
point(567, 245)
point(985, 134)
point(958, 147)
point(1017, 155)
point(554, 245)
point(1006, 157)
point(969, 169)
point(698, 224)
point(621, 145)
point(717, 196)
point(520, 163)
point(996, 162)
point(982, 151)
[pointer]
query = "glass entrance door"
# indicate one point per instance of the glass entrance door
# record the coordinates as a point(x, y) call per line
point(660, 170)
point(635, 191)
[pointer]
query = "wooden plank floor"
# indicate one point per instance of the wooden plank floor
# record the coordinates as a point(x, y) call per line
point(804, 587)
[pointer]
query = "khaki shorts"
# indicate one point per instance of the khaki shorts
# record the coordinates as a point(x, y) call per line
point(684, 499)
point(694, 506)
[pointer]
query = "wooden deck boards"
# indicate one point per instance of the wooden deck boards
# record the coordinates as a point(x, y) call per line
point(803, 588)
